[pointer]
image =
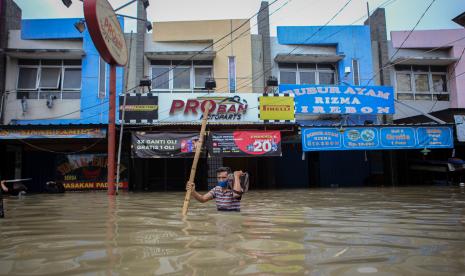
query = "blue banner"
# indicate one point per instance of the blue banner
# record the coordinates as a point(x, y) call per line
point(333, 99)
point(376, 138)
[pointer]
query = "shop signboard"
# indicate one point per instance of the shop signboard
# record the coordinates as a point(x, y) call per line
point(460, 127)
point(164, 144)
point(376, 138)
point(39, 133)
point(86, 172)
point(105, 31)
point(276, 108)
point(332, 99)
point(224, 107)
point(244, 144)
point(139, 108)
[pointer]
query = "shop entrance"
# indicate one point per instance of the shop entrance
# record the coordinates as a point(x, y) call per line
point(166, 174)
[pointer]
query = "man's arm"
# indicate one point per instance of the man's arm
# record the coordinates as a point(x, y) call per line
point(4, 187)
point(201, 198)
point(237, 189)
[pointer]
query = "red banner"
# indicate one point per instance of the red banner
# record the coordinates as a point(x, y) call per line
point(245, 143)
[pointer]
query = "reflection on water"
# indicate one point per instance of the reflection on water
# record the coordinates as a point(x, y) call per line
point(387, 231)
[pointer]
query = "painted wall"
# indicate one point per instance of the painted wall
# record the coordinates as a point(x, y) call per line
point(351, 41)
point(450, 40)
point(39, 34)
point(211, 31)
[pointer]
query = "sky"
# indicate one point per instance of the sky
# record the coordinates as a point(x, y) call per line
point(400, 14)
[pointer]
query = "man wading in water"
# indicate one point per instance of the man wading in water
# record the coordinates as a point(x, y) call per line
point(226, 199)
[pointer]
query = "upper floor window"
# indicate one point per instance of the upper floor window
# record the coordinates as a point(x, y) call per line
point(178, 76)
point(419, 82)
point(40, 79)
point(307, 73)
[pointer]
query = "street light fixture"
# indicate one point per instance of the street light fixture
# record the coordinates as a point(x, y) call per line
point(80, 26)
point(210, 84)
point(148, 25)
point(145, 3)
point(67, 3)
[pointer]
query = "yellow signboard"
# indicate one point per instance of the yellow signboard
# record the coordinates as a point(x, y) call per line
point(276, 108)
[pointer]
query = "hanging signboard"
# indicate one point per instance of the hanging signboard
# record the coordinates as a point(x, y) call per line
point(376, 138)
point(460, 127)
point(105, 31)
point(244, 144)
point(80, 172)
point(76, 133)
point(331, 99)
point(139, 108)
point(224, 107)
point(164, 144)
point(276, 108)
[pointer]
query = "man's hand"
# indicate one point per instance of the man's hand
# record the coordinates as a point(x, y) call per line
point(190, 186)
point(238, 173)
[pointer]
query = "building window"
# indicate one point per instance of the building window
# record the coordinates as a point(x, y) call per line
point(201, 75)
point(176, 76)
point(427, 83)
point(356, 73)
point(307, 73)
point(181, 78)
point(41, 79)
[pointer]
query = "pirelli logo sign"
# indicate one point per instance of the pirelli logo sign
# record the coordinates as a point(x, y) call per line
point(276, 108)
point(139, 108)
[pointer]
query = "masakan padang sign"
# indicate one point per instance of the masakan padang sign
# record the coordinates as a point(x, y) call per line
point(331, 99)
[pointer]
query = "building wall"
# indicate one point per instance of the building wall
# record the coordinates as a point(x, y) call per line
point(352, 41)
point(212, 31)
point(10, 18)
point(422, 40)
point(40, 34)
point(403, 111)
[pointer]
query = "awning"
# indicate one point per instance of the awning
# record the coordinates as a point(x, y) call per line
point(182, 55)
point(316, 58)
point(45, 53)
point(425, 60)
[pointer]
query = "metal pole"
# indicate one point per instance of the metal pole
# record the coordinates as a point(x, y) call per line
point(118, 164)
point(111, 132)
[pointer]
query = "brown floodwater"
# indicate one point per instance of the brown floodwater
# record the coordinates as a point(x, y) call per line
point(382, 231)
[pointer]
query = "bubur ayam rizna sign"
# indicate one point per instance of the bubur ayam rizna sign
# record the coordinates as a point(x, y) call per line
point(330, 99)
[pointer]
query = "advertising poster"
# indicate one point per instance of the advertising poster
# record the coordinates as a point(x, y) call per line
point(224, 107)
point(164, 144)
point(80, 172)
point(245, 144)
point(333, 99)
point(376, 138)
point(139, 108)
point(276, 108)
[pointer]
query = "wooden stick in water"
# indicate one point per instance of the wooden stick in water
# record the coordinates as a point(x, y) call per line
point(198, 149)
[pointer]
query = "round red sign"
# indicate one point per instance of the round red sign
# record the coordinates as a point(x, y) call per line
point(105, 31)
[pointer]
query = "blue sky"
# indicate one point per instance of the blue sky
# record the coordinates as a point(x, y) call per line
point(401, 14)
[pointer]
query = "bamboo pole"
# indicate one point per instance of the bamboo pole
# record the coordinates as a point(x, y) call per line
point(198, 149)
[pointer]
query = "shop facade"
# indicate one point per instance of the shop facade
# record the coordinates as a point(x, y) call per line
point(55, 109)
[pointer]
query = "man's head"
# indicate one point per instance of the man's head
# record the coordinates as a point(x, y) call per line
point(222, 174)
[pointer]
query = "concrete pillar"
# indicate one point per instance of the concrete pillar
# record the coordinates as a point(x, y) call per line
point(264, 31)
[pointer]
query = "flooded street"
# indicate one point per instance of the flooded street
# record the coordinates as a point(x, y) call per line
point(382, 231)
